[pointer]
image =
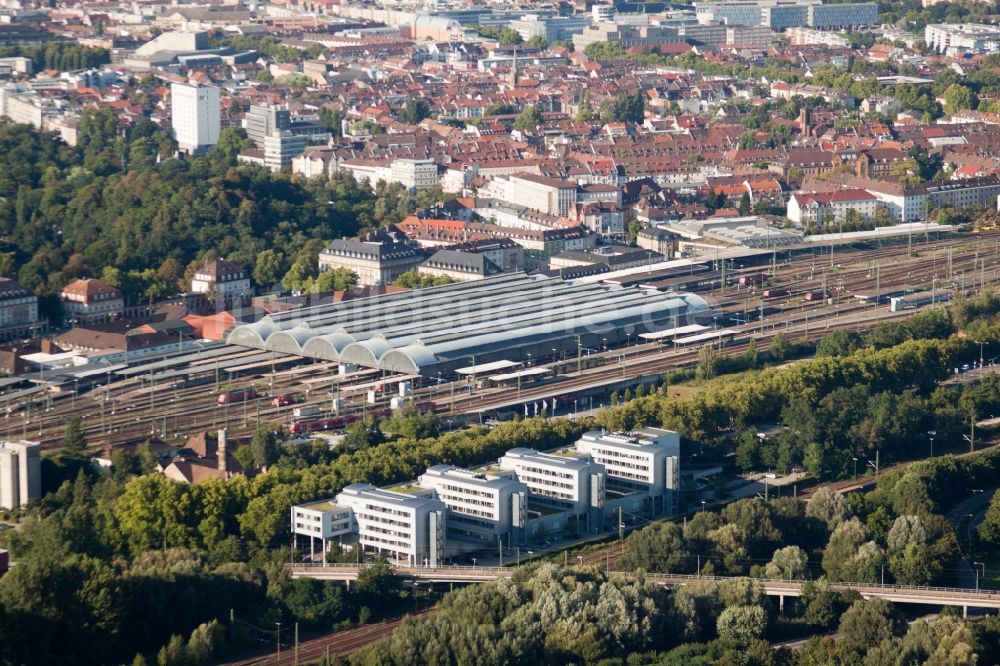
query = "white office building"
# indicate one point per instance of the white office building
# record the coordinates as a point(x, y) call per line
point(195, 114)
point(952, 38)
point(481, 507)
point(565, 483)
point(280, 148)
point(321, 521)
point(647, 461)
point(407, 528)
point(20, 473)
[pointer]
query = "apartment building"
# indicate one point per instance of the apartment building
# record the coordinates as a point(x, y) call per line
point(646, 460)
point(831, 207)
point(21, 106)
point(20, 473)
point(801, 36)
point(411, 173)
point(968, 192)
point(481, 507)
point(905, 203)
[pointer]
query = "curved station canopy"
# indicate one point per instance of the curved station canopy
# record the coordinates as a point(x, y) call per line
point(507, 317)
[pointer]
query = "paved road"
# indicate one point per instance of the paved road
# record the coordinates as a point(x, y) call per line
point(975, 505)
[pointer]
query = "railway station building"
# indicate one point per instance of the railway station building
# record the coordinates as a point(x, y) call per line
point(510, 317)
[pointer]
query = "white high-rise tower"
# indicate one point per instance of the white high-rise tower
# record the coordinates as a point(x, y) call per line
point(196, 112)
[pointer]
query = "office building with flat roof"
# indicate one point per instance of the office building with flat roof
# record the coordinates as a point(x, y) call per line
point(481, 507)
point(962, 37)
point(408, 528)
point(783, 14)
point(574, 485)
point(195, 116)
point(324, 520)
point(645, 461)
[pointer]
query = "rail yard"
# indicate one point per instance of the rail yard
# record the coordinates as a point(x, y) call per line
point(802, 292)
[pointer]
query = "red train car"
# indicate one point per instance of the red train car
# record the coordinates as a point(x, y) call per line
point(316, 425)
point(237, 396)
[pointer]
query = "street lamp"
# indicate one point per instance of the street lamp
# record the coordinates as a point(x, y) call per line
point(855, 467)
point(278, 640)
point(930, 434)
point(976, 565)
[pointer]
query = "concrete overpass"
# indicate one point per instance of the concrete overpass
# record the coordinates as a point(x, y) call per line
point(901, 594)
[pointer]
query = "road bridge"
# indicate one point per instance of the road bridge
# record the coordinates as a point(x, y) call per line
point(902, 594)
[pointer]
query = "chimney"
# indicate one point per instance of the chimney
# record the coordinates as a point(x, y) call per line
point(221, 449)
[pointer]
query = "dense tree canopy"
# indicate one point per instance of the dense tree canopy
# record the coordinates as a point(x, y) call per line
point(76, 212)
point(62, 56)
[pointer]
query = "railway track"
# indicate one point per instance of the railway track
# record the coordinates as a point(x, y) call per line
point(341, 643)
point(119, 411)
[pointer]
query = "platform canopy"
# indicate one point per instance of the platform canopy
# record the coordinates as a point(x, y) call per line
point(527, 372)
point(674, 332)
point(483, 368)
point(705, 337)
